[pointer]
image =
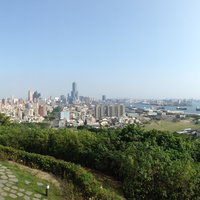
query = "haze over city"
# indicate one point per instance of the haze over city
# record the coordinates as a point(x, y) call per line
point(99, 99)
point(139, 49)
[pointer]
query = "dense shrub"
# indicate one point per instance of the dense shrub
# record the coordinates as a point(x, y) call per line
point(151, 164)
point(65, 170)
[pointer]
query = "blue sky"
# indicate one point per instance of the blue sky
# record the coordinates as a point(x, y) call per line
point(121, 48)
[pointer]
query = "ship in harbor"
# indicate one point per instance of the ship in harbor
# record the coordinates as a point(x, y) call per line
point(181, 108)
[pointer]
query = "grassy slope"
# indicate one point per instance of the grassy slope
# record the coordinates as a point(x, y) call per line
point(23, 175)
point(165, 125)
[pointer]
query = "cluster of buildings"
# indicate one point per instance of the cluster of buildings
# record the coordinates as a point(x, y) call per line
point(80, 110)
point(75, 115)
point(19, 110)
point(75, 110)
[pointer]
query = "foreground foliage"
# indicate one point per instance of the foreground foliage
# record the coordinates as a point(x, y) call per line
point(28, 181)
point(62, 169)
point(151, 164)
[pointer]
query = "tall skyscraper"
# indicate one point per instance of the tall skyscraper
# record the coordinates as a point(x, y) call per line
point(74, 94)
point(103, 97)
point(30, 96)
point(74, 87)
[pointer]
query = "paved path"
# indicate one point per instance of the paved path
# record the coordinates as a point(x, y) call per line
point(9, 188)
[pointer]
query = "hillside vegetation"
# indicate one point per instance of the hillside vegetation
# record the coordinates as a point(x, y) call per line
point(28, 185)
point(151, 164)
point(165, 125)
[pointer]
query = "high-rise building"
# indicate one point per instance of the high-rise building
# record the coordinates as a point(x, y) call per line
point(30, 96)
point(36, 96)
point(103, 97)
point(4, 101)
point(113, 110)
point(122, 110)
point(63, 99)
point(74, 87)
point(99, 112)
point(74, 98)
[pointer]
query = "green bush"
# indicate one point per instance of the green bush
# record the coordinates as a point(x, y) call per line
point(148, 163)
point(90, 187)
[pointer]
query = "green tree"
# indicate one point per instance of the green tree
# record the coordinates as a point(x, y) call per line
point(4, 120)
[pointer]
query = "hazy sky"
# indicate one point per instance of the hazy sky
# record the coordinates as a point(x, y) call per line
point(121, 48)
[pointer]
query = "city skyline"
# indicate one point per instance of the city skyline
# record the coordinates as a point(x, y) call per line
point(28, 95)
point(131, 49)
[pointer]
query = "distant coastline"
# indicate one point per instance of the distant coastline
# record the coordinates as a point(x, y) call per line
point(190, 109)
